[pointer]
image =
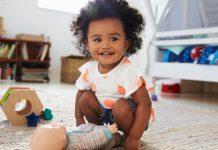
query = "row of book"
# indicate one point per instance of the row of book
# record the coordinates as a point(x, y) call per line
point(27, 74)
point(7, 50)
point(41, 55)
point(35, 74)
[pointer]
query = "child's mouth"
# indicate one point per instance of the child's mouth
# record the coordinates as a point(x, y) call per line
point(105, 53)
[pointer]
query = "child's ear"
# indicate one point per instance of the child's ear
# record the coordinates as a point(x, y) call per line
point(127, 44)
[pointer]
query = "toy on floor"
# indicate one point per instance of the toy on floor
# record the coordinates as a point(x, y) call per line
point(151, 93)
point(170, 88)
point(154, 97)
point(33, 120)
point(85, 136)
point(47, 114)
point(13, 97)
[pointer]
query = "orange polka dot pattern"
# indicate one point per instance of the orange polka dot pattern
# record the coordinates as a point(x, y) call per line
point(139, 83)
point(93, 87)
point(108, 103)
point(85, 76)
point(121, 90)
point(126, 61)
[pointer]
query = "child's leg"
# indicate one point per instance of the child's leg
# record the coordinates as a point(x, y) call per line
point(90, 107)
point(123, 115)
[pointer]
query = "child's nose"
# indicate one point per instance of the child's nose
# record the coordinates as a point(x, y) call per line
point(105, 44)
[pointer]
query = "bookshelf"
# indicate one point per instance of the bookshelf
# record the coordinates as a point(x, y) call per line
point(187, 37)
point(24, 60)
point(186, 71)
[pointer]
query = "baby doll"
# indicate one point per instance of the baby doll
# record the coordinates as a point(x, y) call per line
point(86, 136)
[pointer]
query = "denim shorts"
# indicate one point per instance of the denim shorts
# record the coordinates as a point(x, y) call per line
point(107, 116)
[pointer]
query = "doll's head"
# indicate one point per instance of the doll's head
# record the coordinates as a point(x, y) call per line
point(49, 137)
point(108, 24)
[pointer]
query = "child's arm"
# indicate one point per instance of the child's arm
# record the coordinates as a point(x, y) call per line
point(78, 113)
point(142, 115)
point(99, 136)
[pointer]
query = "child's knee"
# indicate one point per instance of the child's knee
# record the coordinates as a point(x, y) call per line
point(88, 98)
point(85, 97)
point(121, 108)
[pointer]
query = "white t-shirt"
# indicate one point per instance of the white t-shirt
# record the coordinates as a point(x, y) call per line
point(120, 82)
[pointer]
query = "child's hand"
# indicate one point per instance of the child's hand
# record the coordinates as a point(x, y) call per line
point(113, 128)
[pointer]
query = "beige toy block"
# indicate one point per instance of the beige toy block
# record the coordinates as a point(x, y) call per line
point(33, 104)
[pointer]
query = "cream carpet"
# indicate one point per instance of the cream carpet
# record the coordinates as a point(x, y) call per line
point(181, 123)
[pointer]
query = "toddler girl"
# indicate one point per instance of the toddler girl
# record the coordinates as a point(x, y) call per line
point(111, 88)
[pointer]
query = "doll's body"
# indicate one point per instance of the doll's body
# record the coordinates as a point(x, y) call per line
point(85, 136)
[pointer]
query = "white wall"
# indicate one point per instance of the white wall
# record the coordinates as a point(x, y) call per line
point(175, 19)
point(23, 16)
point(141, 57)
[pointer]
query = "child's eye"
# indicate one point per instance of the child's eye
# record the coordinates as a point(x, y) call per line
point(97, 39)
point(112, 39)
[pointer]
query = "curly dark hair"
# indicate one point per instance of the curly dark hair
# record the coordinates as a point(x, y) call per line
point(131, 19)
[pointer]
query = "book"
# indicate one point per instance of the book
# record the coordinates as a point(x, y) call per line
point(9, 71)
point(25, 51)
point(11, 50)
point(34, 78)
point(44, 52)
point(5, 51)
point(1, 48)
point(35, 69)
point(39, 53)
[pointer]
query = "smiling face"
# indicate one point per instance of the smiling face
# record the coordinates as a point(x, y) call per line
point(107, 42)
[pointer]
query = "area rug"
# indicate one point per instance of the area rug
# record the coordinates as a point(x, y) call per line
point(177, 126)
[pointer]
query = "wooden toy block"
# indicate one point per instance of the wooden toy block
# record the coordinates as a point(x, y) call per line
point(16, 95)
